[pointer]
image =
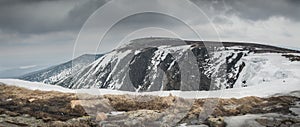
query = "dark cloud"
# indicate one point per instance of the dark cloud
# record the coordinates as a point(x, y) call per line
point(41, 16)
point(80, 13)
point(11, 2)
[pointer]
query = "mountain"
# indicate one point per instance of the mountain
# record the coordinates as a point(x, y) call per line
point(154, 64)
point(56, 73)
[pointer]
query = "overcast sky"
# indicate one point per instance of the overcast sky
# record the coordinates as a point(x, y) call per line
point(39, 33)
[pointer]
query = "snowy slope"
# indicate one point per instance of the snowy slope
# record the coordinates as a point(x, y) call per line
point(53, 74)
point(268, 68)
point(34, 85)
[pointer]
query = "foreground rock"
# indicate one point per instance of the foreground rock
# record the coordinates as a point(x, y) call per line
point(22, 107)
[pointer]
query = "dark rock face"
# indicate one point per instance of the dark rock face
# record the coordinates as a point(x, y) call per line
point(169, 64)
point(201, 57)
point(138, 67)
point(230, 68)
point(172, 73)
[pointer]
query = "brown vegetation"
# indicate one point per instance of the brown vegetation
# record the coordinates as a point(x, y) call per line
point(65, 109)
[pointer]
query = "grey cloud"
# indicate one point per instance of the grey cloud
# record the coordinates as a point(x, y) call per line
point(146, 20)
point(260, 10)
point(253, 9)
point(221, 20)
point(81, 13)
point(41, 16)
point(9, 2)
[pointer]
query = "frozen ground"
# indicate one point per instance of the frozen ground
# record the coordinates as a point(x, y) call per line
point(261, 90)
point(34, 85)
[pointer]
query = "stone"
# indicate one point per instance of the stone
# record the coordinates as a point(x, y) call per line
point(216, 122)
point(74, 103)
point(31, 100)
point(101, 116)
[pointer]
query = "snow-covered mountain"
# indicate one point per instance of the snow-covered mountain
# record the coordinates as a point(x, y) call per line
point(56, 73)
point(154, 64)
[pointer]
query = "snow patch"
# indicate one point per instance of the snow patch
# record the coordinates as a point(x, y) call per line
point(264, 90)
point(268, 68)
point(35, 85)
